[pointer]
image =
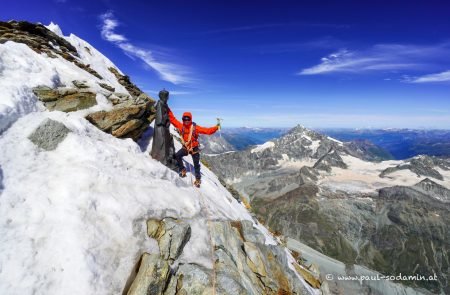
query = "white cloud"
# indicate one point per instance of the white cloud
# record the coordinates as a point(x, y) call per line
point(430, 78)
point(381, 57)
point(109, 24)
point(170, 72)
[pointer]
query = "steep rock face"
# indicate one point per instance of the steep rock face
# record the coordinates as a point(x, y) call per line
point(400, 230)
point(242, 263)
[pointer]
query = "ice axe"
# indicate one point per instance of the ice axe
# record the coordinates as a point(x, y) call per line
point(219, 120)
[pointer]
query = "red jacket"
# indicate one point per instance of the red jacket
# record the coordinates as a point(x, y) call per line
point(198, 129)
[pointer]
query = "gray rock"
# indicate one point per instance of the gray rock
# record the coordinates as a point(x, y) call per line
point(151, 277)
point(107, 87)
point(331, 159)
point(252, 234)
point(191, 279)
point(126, 120)
point(171, 234)
point(80, 84)
point(244, 267)
point(49, 134)
point(45, 93)
point(74, 102)
point(433, 189)
point(65, 99)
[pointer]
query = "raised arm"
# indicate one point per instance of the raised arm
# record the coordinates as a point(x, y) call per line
point(174, 120)
point(206, 130)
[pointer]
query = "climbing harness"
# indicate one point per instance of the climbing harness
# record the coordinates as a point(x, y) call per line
point(188, 144)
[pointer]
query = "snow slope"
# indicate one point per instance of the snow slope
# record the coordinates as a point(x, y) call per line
point(21, 69)
point(72, 220)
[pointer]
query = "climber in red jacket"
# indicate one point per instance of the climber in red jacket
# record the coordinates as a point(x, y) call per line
point(189, 132)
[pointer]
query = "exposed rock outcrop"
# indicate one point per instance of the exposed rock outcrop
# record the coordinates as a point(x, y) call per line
point(242, 264)
point(65, 99)
point(151, 277)
point(128, 119)
point(125, 82)
point(171, 234)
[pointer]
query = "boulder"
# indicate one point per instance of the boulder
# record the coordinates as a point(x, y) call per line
point(127, 119)
point(127, 128)
point(49, 134)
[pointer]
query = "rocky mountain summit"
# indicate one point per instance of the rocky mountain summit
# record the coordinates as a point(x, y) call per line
point(132, 110)
point(83, 211)
point(389, 216)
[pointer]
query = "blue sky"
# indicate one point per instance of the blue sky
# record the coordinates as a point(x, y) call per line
point(274, 63)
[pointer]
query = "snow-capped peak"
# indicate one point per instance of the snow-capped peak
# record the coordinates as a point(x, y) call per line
point(55, 29)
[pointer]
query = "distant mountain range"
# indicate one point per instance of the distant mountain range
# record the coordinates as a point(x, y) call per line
point(398, 144)
point(342, 200)
point(401, 143)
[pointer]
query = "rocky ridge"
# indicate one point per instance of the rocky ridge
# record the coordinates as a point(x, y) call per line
point(243, 260)
point(242, 263)
point(130, 114)
point(40, 39)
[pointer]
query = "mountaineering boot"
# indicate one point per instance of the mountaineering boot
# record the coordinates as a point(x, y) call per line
point(197, 182)
point(182, 173)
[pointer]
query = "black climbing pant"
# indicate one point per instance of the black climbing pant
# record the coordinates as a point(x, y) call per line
point(195, 157)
